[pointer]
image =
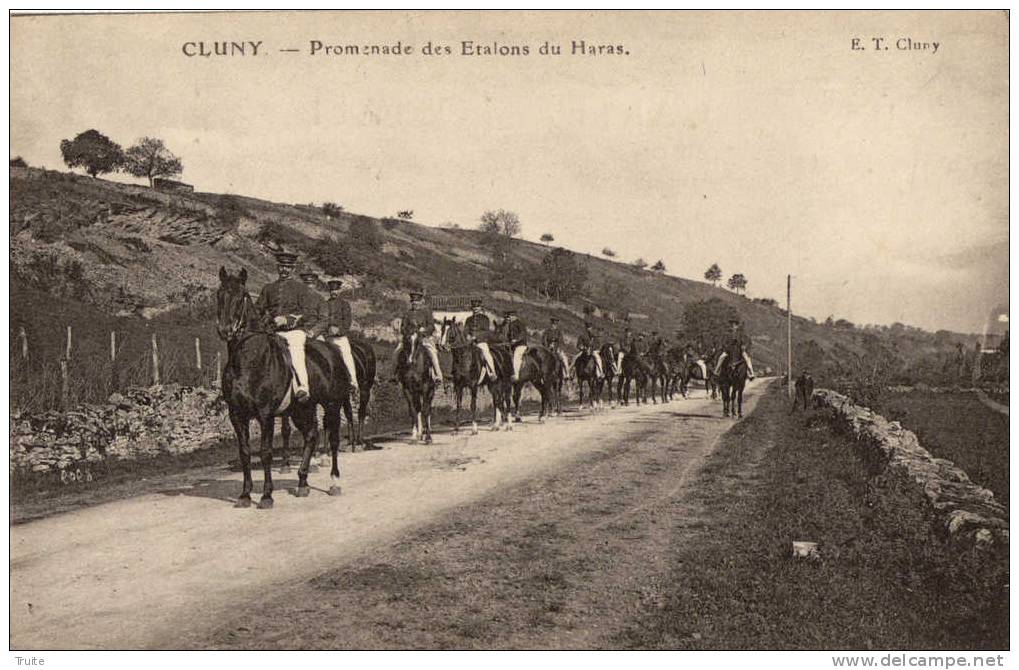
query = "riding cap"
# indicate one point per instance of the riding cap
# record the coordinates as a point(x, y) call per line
point(335, 284)
point(475, 302)
point(554, 319)
point(416, 294)
point(587, 324)
point(511, 312)
point(286, 259)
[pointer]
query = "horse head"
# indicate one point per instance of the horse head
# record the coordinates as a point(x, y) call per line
point(233, 304)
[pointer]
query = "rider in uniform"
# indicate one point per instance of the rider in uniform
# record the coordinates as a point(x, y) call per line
point(334, 327)
point(418, 324)
point(552, 339)
point(738, 345)
point(478, 329)
point(625, 344)
point(291, 309)
point(589, 344)
point(515, 334)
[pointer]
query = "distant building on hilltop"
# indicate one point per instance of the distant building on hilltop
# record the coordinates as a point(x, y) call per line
point(995, 329)
point(171, 185)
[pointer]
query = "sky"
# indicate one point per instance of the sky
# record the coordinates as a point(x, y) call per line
point(877, 178)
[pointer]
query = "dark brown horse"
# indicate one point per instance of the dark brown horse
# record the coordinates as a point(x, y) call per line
point(586, 370)
point(257, 384)
point(732, 379)
point(609, 353)
point(415, 375)
point(542, 369)
point(364, 363)
point(636, 369)
point(659, 376)
point(466, 371)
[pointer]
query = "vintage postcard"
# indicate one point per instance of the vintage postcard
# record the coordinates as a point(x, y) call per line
point(510, 330)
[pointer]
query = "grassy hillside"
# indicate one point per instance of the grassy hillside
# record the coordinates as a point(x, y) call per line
point(113, 256)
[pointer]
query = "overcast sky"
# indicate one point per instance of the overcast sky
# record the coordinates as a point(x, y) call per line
point(762, 142)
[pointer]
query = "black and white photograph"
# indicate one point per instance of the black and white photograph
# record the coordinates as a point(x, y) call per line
point(510, 330)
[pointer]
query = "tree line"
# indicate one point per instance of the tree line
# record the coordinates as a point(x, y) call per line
point(97, 154)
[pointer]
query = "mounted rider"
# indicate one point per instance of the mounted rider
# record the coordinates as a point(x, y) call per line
point(515, 334)
point(334, 328)
point(737, 346)
point(625, 344)
point(418, 326)
point(291, 309)
point(478, 330)
point(552, 339)
point(589, 344)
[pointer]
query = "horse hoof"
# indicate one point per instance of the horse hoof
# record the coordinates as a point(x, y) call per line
point(299, 492)
point(509, 427)
point(428, 440)
point(265, 503)
point(334, 490)
point(243, 503)
point(474, 431)
point(517, 419)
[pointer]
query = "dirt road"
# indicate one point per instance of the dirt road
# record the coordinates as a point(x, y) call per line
point(163, 570)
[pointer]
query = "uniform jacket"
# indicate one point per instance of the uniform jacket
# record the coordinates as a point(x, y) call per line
point(552, 338)
point(417, 317)
point(588, 341)
point(515, 332)
point(287, 297)
point(335, 313)
point(477, 324)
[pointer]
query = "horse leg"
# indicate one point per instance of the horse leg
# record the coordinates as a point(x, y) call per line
point(542, 390)
point(517, 388)
point(268, 426)
point(348, 411)
point(456, 412)
point(333, 433)
point(241, 426)
point(426, 412)
point(474, 410)
point(413, 415)
point(507, 404)
point(307, 422)
point(285, 434)
point(362, 413)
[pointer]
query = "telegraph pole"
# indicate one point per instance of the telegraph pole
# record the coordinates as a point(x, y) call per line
point(789, 331)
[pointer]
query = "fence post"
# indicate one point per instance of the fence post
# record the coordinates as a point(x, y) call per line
point(219, 372)
point(155, 361)
point(113, 346)
point(63, 384)
point(114, 372)
point(24, 343)
point(198, 353)
point(67, 353)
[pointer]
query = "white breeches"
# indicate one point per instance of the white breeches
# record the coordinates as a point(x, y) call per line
point(619, 362)
point(343, 344)
point(487, 354)
point(597, 364)
point(518, 359)
point(295, 342)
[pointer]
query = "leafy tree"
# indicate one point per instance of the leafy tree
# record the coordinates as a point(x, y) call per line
point(844, 324)
point(713, 274)
point(808, 355)
point(364, 235)
point(18, 161)
point(706, 322)
point(405, 214)
point(500, 222)
point(737, 283)
point(658, 267)
point(608, 252)
point(94, 152)
point(150, 158)
point(563, 275)
point(640, 264)
point(331, 209)
point(546, 238)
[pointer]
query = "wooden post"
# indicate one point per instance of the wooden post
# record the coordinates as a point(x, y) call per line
point(24, 343)
point(67, 352)
point(789, 331)
point(155, 361)
point(114, 373)
point(63, 384)
point(219, 372)
point(198, 353)
point(113, 346)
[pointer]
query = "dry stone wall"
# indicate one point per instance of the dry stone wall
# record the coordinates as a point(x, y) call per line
point(138, 423)
point(965, 509)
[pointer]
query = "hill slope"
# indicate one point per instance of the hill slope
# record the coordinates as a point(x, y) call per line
point(153, 257)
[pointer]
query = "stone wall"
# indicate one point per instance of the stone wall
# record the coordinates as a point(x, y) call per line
point(139, 423)
point(965, 509)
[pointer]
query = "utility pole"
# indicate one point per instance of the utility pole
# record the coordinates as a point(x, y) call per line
point(789, 331)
